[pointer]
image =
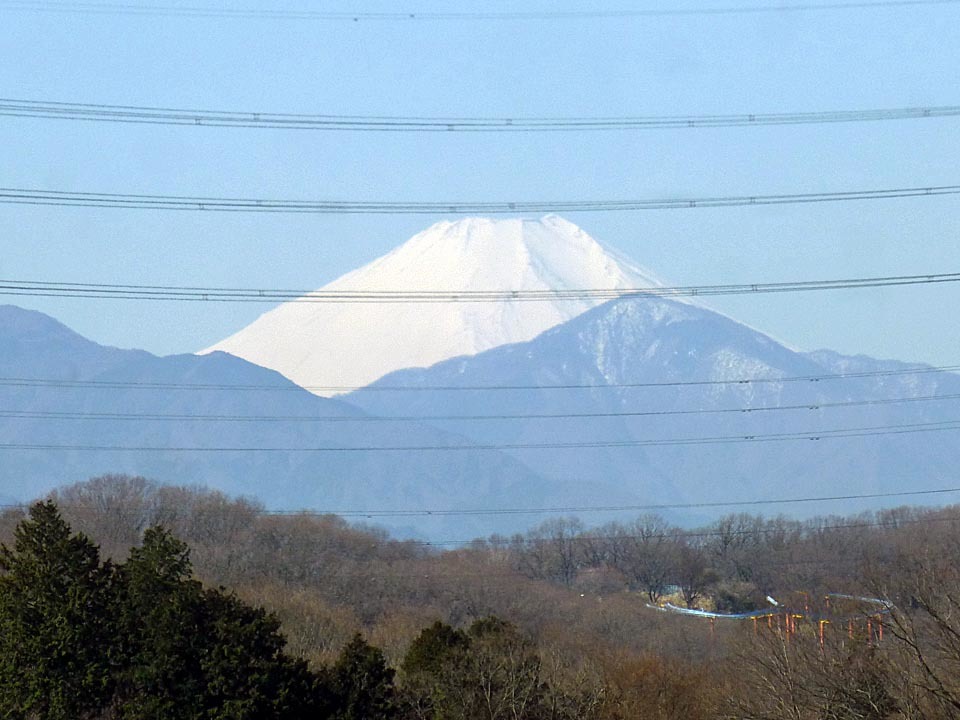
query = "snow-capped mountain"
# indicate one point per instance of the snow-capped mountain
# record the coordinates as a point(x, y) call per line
point(352, 344)
point(639, 401)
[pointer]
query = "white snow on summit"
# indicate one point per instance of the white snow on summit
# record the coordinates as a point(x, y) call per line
point(352, 344)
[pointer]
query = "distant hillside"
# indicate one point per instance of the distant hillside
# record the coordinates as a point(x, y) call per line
point(59, 389)
point(690, 360)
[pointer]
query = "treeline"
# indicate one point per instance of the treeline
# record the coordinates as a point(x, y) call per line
point(82, 638)
point(575, 636)
point(732, 564)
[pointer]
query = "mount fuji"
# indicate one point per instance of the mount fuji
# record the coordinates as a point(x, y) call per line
point(640, 396)
point(500, 410)
point(323, 346)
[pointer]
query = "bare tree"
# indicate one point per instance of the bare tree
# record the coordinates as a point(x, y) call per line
point(693, 575)
point(648, 555)
point(552, 550)
point(793, 675)
point(115, 510)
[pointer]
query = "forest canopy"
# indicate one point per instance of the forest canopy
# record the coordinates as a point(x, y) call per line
point(124, 599)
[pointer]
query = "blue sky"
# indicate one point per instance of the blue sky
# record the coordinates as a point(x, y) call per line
point(860, 58)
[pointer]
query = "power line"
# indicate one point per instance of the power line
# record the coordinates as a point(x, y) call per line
point(199, 11)
point(813, 435)
point(674, 533)
point(64, 198)
point(649, 507)
point(290, 387)
point(125, 417)
point(147, 115)
point(571, 509)
point(102, 291)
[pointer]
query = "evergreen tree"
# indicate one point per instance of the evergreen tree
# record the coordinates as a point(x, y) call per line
point(432, 648)
point(201, 653)
point(491, 671)
point(362, 684)
point(57, 630)
point(144, 641)
point(246, 674)
point(426, 669)
point(161, 626)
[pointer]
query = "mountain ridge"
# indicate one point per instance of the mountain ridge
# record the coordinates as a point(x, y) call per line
point(70, 417)
point(658, 371)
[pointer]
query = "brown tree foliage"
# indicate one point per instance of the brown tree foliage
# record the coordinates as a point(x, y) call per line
point(585, 642)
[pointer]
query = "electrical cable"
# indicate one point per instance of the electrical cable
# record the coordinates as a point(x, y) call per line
point(61, 383)
point(199, 11)
point(127, 417)
point(64, 198)
point(36, 288)
point(650, 507)
point(812, 435)
point(806, 529)
point(135, 114)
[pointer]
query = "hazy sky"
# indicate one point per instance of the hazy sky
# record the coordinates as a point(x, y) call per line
point(854, 58)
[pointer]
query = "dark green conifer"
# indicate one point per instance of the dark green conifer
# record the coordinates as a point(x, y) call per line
point(432, 648)
point(361, 683)
point(57, 622)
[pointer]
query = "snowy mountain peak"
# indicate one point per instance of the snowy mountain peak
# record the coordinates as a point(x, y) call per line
point(487, 254)
point(324, 345)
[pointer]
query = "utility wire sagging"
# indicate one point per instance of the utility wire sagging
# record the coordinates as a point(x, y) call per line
point(65, 198)
point(654, 507)
point(757, 532)
point(39, 382)
point(125, 417)
point(811, 435)
point(37, 288)
point(145, 115)
point(206, 11)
